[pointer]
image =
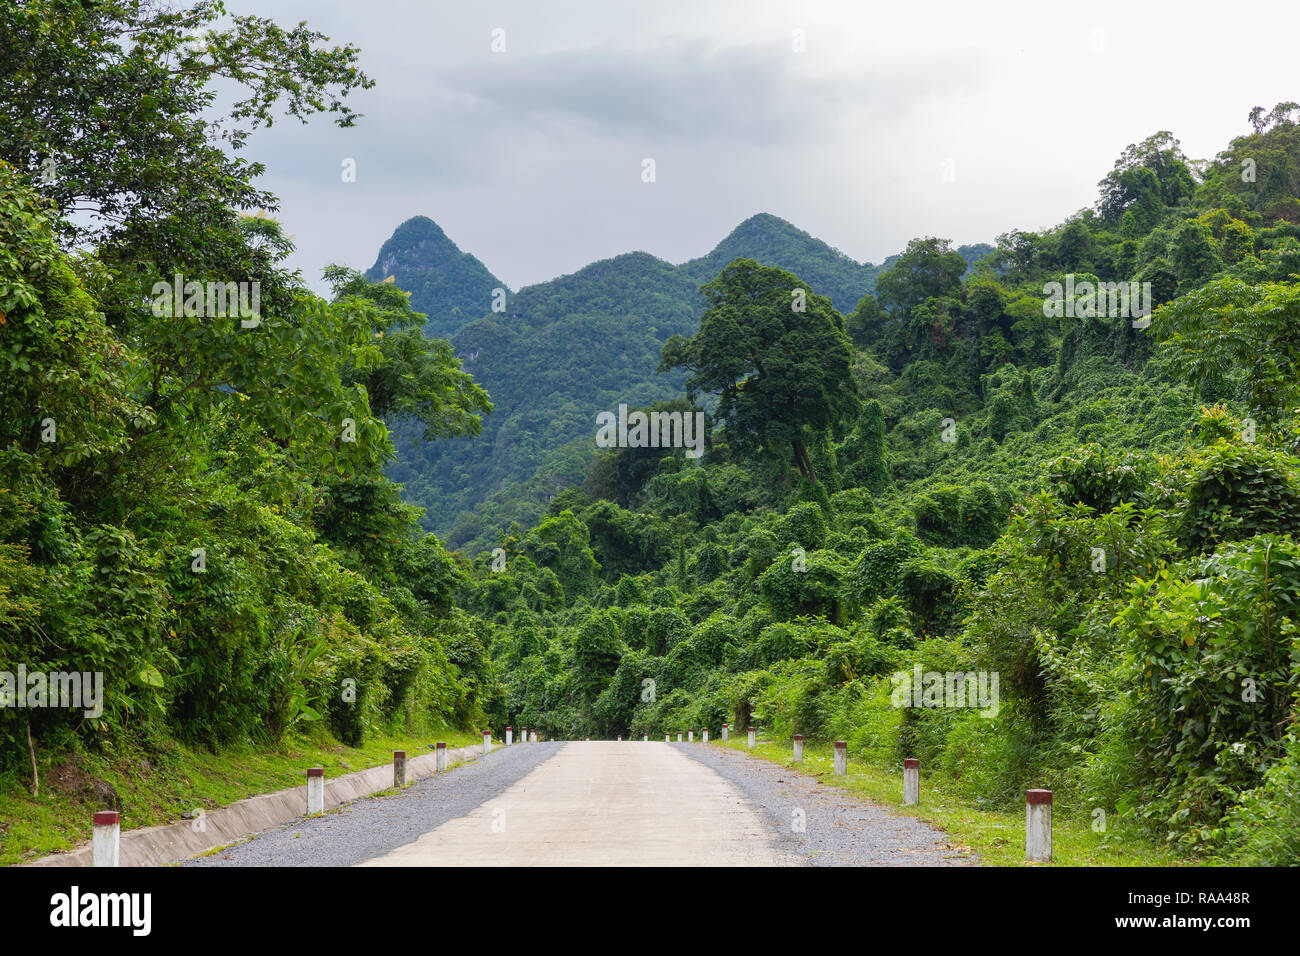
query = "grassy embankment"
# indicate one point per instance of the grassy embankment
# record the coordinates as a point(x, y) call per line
point(158, 786)
point(996, 836)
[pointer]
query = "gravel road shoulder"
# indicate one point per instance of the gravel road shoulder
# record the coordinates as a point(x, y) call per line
point(365, 828)
point(839, 828)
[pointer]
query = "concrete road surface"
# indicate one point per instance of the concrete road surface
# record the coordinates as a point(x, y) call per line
point(603, 803)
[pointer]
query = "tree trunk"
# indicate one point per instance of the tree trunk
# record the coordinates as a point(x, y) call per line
point(31, 749)
point(803, 462)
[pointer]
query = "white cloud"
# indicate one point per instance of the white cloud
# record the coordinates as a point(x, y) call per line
point(695, 90)
point(530, 159)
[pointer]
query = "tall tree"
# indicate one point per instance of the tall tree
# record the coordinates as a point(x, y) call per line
point(1229, 326)
point(777, 356)
point(415, 376)
point(929, 268)
point(107, 106)
point(1150, 172)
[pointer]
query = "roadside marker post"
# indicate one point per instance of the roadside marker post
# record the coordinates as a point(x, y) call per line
point(706, 736)
point(399, 768)
point(107, 837)
point(753, 738)
point(1038, 826)
point(724, 732)
point(487, 741)
point(911, 781)
point(315, 790)
point(841, 757)
point(441, 763)
point(510, 734)
point(798, 748)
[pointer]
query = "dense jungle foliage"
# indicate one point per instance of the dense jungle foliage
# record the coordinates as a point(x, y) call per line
point(1097, 509)
point(196, 506)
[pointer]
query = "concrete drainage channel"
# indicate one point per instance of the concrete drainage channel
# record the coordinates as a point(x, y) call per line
point(175, 842)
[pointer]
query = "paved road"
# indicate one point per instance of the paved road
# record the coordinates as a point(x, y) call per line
point(606, 803)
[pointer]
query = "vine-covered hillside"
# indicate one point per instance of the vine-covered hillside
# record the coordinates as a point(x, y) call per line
point(963, 476)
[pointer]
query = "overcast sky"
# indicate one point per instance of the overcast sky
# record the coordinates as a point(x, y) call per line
point(897, 120)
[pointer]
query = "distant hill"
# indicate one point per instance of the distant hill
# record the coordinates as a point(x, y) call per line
point(772, 241)
point(561, 351)
point(971, 253)
point(449, 286)
point(564, 350)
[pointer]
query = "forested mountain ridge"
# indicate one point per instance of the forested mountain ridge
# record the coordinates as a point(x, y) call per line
point(772, 241)
point(449, 286)
point(558, 352)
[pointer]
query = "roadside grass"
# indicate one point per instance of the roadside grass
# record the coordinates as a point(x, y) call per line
point(158, 785)
point(995, 836)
